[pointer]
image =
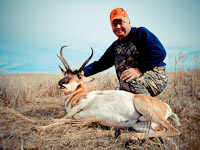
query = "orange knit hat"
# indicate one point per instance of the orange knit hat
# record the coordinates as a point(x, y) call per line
point(118, 13)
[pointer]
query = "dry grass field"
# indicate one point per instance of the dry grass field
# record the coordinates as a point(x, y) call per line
point(28, 100)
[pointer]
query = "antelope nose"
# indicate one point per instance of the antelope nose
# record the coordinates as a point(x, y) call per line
point(63, 81)
point(59, 83)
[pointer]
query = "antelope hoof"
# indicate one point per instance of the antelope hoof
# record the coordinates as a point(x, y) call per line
point(117, 133)
point(130, 142)
point(34, 129)
point(134, 140)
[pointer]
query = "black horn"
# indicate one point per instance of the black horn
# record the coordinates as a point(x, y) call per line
point(61, 57)
point(85, 63)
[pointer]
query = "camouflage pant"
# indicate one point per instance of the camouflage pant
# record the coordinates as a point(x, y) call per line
point(151, 82)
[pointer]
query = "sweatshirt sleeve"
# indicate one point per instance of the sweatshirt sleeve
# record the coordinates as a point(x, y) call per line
point(106, 61)
point(150, 48)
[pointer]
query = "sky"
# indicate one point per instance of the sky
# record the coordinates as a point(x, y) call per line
point(32, 31)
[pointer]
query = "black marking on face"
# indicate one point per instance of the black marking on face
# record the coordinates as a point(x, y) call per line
point(72, 72)
point(64, 80)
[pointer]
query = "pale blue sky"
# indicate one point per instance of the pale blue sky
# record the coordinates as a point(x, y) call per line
point(32, 31)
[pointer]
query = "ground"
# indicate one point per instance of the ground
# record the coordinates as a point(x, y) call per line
point(36, 98)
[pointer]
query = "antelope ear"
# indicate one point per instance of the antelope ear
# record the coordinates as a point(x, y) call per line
point(87, 79)
point(62, 69)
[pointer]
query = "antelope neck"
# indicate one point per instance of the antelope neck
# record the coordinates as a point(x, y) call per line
point(70, 99)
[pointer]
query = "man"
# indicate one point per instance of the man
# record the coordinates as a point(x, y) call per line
point(137, 55)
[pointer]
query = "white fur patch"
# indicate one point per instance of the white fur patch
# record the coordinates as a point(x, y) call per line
point(110, 108)
point(70, 87)
point(169, 112)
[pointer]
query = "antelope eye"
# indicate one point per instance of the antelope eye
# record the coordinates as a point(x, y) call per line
point(79, 76)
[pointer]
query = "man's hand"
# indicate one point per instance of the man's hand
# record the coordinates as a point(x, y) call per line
point(130, 74)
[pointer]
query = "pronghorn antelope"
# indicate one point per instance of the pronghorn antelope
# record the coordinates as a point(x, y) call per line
point(113, 108)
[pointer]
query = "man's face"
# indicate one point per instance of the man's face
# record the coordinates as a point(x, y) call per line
point(121, 28)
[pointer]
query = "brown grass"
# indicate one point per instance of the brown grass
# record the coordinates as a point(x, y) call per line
point(36, 98)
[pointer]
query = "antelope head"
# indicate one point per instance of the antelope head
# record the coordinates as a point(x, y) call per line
point(73, 79)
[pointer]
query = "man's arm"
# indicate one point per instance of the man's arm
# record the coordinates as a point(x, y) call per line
point(150, 48)
point(105, 62)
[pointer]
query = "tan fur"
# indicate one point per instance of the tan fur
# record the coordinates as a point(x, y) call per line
point(74, 99)
point(148, 105)
point(154, 110)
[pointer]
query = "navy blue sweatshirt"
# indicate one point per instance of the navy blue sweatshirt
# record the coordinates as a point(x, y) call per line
point(150, 48)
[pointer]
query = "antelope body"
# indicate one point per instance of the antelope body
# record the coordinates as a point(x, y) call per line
point(116, 108)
